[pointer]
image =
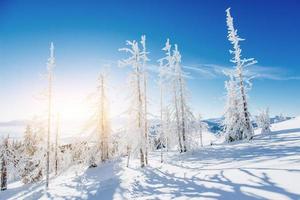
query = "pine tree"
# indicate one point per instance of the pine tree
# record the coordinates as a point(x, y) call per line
point(144, 59)
point(5, 157)
point(32, 158)
point(263, 121)
point(56, 148)
point(162, 130)
point(232, 117)
point(138, 115)
point(182, 115)
point(103, 119)
point(200, 130)
point(180, 81)
point(246, 130)
point(165, 73)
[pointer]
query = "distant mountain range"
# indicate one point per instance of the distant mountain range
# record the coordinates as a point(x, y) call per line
point(14, 123)
point(215, 124)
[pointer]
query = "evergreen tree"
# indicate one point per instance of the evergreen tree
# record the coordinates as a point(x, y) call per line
point(103, 119)
point(137, 109)
point(166, 77)
point(32, 157)
point(170, 66)
point(244, 129)
point(6, 156)
point(263, 121)
point(50, 66)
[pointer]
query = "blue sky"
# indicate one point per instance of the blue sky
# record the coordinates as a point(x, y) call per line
point(87, 35)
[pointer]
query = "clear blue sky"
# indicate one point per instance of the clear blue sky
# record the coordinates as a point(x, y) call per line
point(87, 34)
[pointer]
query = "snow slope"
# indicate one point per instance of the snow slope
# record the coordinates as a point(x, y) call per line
point(266, 168)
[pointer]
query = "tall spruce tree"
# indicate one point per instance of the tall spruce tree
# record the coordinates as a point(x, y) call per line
point(244, 129)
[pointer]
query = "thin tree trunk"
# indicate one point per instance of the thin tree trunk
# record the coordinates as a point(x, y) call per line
point(182, 114)
point(104, 145)
point(50, 68)
point(49, 129)
point(177, 119)
point(201, 142)
point(128, 155)
point(146, 119)
point(140, 108)
point(56, 145)
point(161, 124)
point(161, 152)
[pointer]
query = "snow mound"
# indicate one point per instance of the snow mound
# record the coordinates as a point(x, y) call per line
point(289, 124)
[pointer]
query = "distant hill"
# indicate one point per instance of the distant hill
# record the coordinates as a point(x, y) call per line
point(14, 123)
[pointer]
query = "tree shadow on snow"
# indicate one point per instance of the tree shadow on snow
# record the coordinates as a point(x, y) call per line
point(211, 175)
point(215, 186)
point(102, 182)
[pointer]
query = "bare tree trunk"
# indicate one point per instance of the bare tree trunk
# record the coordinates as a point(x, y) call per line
point(146, 119)
point(161, 152)
point(49, 129)
point(161, 124)
point(140, 108)
point(182, 114)
point(56, 145)
point(201, 142)
point(103, 134)
point(51, 63)
point(128, 155)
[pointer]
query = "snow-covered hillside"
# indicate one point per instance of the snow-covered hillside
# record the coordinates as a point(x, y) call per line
point(267, 167)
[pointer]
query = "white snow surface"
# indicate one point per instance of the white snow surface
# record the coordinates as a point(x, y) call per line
point(268, 167)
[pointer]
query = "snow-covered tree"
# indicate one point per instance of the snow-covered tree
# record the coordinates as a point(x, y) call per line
point(232, 117)
point(263, 121)
point(50, 66)
point(100, 140)
point(137, 108)
point(103, 125)
point(244, 127)
point(6, 160)
point(201, 126)
point(56, 147)
point(166, 79)
point(170, 67)
point(168, 127)
point(16, 147)
point(31, 164)
point(162, 130)
point(185, 113)
point(145, 59)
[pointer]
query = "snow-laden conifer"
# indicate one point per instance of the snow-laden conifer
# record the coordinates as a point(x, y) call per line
point(244, 129)
point(263, 121)
point(50, 66)
point(33, 155)
point(137, 115)
point(6, 161)
point(170, 67)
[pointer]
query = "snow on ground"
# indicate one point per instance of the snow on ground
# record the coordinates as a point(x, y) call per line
point(266, 168)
